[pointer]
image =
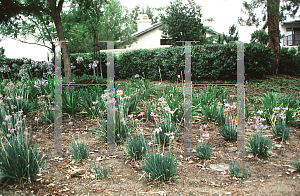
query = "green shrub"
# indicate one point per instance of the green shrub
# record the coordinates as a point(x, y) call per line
point(20, 158)
point(296, 164)
point(79, 151)
point(209, 62)
point(236, 168)
point(289, 62)
point(70, 102)
point(139, 61)
point(280, 130)
point(99, 172)
point(82, 65)
point(161, 167)
point(259, 145)
point(136, 146)
point(204, 150)
point(228, 131)
point(166, 131)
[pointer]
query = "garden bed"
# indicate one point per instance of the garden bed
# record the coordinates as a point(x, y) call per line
point(268, 175)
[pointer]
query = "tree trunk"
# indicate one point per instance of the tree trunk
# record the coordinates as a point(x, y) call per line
point(55, 14)
point(273, 31)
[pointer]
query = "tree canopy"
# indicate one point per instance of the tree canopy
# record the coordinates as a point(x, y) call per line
point(273, 11)
point(182, 22)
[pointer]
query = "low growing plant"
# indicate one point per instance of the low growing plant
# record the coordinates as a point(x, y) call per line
point(236, 168)
point(280, 130)
point(228, 131)
point(79, 151)
point(20, 158)
point(259, 144)
point(161, 167)
point(204, 150)
point(70, 102)
point(166, 131)
point(136, 146)
point(99, 172)
point(296, 164)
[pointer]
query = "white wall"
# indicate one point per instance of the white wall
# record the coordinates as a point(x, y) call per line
point(151, 39)
point(16, 49)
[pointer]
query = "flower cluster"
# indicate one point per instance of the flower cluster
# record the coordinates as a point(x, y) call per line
point(5, 68)
point(157, 130)
point(38, 83)
point(79, 59)
point(94, 64)
point(206, 134)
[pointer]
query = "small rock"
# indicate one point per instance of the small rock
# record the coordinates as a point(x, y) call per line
point(219, 167)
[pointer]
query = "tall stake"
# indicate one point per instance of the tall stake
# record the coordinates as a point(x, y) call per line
point(240, 98)
point(57, 101)
point(188, 98)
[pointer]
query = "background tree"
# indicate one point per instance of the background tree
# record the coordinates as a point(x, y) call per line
point(273, 11)
point(113, 23)
point(13, 9)
point(2, 50)
point(182, 22)
point(260, 36)
point(233, 35)
point(40, 27)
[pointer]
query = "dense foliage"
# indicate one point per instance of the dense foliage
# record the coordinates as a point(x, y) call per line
point(209, 62)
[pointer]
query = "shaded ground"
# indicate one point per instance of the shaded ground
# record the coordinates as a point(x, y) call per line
point(267, 176)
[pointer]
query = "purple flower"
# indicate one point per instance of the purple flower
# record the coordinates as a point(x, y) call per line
point(157, 130)
point(206, 135)
point(259, 112)
point(169, 133)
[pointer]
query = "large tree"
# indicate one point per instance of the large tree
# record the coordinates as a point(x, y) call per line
point(83, 25)
point(182, 22)
point(273, 11)
point(40, 27)
point(13, 9)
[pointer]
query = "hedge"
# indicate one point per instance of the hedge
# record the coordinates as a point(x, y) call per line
point(209, 62)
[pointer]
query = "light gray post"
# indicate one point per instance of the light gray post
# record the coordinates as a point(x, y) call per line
point(110, 98)
point(57, 101)
point(240, 98)
point(188, 99)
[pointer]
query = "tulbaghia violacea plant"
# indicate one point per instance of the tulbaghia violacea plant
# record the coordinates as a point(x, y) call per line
point(47, 108)
point(11, 124)
point(17, 98)
point(122, 127)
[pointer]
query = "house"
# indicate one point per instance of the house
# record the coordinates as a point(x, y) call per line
point(149, 36)
point(291, 30)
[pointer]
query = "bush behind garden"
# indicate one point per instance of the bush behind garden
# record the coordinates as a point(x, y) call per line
point(210, 62)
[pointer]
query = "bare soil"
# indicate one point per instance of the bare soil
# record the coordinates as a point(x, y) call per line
point(268, 175)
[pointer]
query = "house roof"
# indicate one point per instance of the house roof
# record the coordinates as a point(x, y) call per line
point(154, 26)
point(292, 22)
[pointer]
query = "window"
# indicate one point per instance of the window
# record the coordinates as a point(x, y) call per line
point(292, 37)
point(164, 41)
